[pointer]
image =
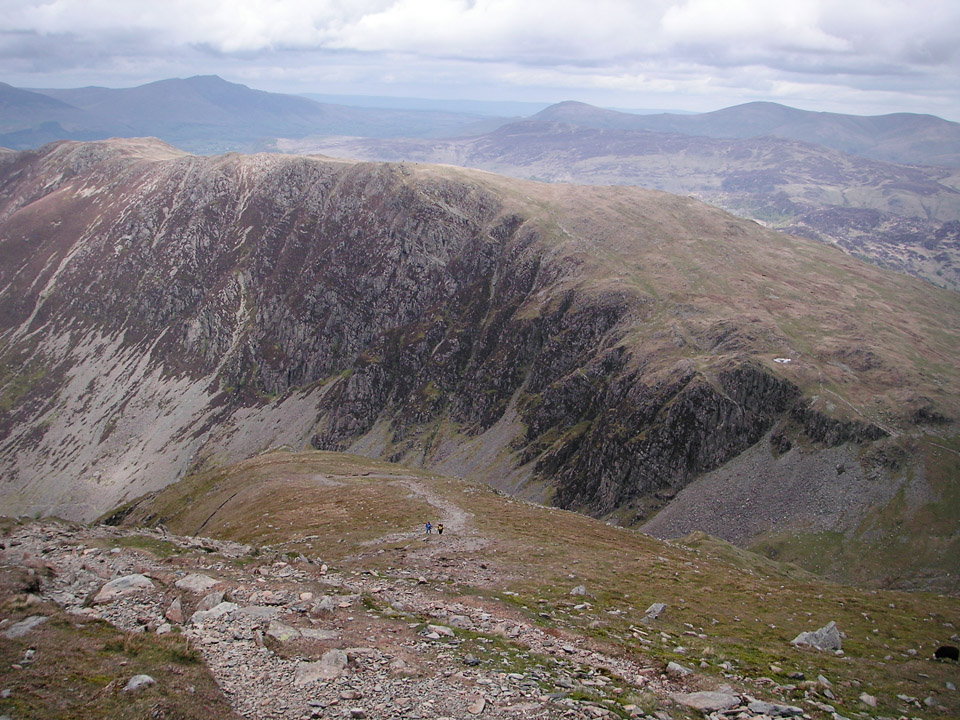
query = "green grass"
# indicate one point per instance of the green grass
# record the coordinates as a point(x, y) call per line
point(80, 668)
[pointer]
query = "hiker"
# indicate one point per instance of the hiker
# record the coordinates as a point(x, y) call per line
point(429, 528)
point(439, 528)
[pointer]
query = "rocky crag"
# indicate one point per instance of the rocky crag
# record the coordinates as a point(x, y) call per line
point(598, 348)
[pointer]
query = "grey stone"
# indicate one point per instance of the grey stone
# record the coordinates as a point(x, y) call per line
point(325, 604)
point(196, 583)
point(210, 601)
point(281, 631)
point(579, 590)
point(259, 611)
point(707, 701)
point(18, 630)
point(219, 611)
point(656, 610)
point(174, 613)
point(138, 682)
point(126, 585)
point(759, 707)
point(331, 665)
point(677, 669)
point(826, 638)
point(318, 634)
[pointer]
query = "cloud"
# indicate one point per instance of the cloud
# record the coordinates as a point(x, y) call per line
point(600, 44)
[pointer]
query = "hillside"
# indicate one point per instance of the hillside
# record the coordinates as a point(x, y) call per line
point(596, 348)
point(904, 138)
point(903, 218)
point(306, 585)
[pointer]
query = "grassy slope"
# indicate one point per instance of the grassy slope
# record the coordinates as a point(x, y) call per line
point(741, 608)
point(862, 334)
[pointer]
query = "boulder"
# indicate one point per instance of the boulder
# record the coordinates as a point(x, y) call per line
point(707, 701)
point(826, 638)
point(655, 610)
point(18, 630)
point(202, 616)
point(332, 664)
point(210, 601)
point(759, 707)
point(174, 613)
point(281, 631)
point(196, 583)
point(126, 585)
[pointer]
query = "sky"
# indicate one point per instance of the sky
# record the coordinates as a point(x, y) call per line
point(862, 57)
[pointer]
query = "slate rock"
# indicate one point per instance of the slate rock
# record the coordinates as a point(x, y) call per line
point(174, 613)
point(219, 611)
point(826, 638)
point(655, 610)
point(332, 664)
point(318, 634)
point(18, 630)
point(210, 601)
point(677, 669)
point(196, 583)
point(281, 631)
point(707, 701)
point(126, 585)
point(759, 707)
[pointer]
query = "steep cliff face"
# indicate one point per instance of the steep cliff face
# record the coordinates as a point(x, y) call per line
point(161, 312)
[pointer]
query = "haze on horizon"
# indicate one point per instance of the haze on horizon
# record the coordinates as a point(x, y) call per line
point(858, 56)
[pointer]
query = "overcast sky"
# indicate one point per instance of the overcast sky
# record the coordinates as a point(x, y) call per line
point(855, 56)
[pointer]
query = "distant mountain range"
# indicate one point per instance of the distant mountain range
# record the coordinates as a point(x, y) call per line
point(905, 138)
point(206, 114)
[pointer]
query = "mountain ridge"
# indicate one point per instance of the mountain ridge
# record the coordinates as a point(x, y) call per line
point(597, 347)
point(902, 217)
point(903, 138)
point(208, 114)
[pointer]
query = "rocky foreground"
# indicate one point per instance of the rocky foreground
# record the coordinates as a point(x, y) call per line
point(289, 637)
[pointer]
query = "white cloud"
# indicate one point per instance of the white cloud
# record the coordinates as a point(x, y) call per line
point(741, 46)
